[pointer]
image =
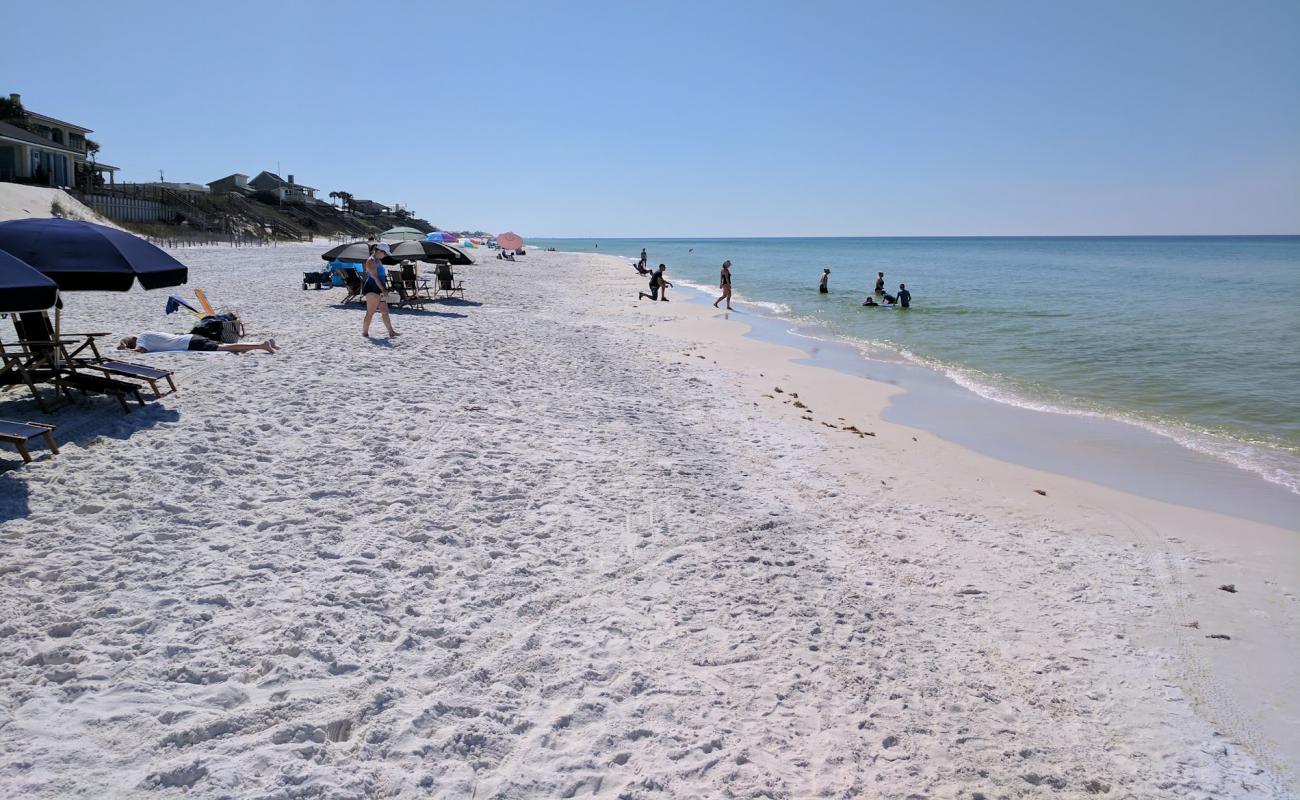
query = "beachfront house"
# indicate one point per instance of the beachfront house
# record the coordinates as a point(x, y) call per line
point(45, 151)
point(287, 191)
point(369, 207)
point(235, 183)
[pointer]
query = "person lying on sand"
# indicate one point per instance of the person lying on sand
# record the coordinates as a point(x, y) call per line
point(155, 342)
point(641, 268)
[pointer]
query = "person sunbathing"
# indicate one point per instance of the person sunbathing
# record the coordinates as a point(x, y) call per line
point(155, 342)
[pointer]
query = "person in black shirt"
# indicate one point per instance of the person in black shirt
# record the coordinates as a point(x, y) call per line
point(904, 296)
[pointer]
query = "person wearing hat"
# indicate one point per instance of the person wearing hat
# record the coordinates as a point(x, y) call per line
point(826, 276)
point(724, 283)
point(372, 288)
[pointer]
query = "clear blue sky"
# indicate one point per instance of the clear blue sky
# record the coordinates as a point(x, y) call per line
point(706, 118)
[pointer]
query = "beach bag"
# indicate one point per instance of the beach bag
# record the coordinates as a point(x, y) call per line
point(225, 328)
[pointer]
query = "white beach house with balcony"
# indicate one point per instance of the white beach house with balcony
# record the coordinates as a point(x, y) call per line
point(46, 151)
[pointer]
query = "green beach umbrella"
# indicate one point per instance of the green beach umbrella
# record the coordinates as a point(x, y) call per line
point(401, 234)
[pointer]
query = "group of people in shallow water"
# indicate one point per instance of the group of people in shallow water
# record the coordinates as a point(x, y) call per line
point(659, 287)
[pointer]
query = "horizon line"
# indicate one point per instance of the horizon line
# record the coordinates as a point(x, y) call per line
point(953, 236)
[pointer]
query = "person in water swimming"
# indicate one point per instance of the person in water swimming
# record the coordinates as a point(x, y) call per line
point(904, 296)
point(880, 283)
point(826, 276)
point(870, 301)
point(724, 283)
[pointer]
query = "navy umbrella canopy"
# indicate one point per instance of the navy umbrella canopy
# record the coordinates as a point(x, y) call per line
point(82, 256)
point(358, 252)
point(22, 288)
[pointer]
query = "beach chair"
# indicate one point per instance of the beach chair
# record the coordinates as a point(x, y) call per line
point(413, 288)
point(448, 286)
point(140, 372)
point(20, 433)
point(45, 362)
point(36, 326)
point(14, 371)
point(351, 283)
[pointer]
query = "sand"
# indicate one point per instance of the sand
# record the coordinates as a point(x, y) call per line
point(556, 543)
point(27, 202)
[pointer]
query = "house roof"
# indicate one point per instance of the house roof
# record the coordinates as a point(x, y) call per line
point(278, 181)
point(17, 134)
point(55, 121)
point(227, 177)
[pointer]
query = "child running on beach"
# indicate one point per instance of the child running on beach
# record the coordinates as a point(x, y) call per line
point(724, 283)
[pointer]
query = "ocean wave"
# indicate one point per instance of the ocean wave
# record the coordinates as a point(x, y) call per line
point(737, 297)
point(1264, 459)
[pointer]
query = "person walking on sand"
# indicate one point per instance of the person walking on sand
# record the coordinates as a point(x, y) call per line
point(826, 276)
point(643, 258)
point(724, 283)
point(373, 290)
point(880, 284)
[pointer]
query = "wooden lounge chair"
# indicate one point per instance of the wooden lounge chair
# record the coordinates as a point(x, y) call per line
point(20, 433)
point(36, 327)
point(150, 375)
point(45, 362)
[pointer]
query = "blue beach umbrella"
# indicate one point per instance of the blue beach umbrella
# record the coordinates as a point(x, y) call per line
point(22, 288)
point(82, 256)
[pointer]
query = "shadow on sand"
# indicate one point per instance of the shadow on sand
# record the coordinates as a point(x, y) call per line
point(402, 312)
point(91, 418)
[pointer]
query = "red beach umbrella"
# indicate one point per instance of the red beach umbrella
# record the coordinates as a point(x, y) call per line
point(510, 241)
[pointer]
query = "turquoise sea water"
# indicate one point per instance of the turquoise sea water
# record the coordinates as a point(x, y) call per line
point(1197, 338)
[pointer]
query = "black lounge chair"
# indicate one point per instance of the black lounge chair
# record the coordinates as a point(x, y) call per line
point(20, 433)
point(447, 283)
point(351, 282)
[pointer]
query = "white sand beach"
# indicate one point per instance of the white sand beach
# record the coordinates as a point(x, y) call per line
point(553, 542)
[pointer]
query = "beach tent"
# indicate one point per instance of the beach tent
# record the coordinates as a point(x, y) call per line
point(510, 241)
point(401, 234)
point(467, 243)
point(23, 288)
point(442, 236)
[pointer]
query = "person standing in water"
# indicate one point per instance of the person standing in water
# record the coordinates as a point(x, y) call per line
point(826, 276)
point(372, 288)
point(904, 296)
point(880, 284)
point(724, 283)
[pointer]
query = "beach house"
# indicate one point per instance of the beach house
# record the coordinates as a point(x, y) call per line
point(45, 151)
point(286, 190)
point(235, 183)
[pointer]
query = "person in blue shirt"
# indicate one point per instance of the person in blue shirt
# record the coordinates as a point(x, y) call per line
point(904, 296)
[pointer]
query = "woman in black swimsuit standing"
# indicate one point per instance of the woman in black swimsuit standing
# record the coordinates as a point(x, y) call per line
point(724, 283)
point(372, 288)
